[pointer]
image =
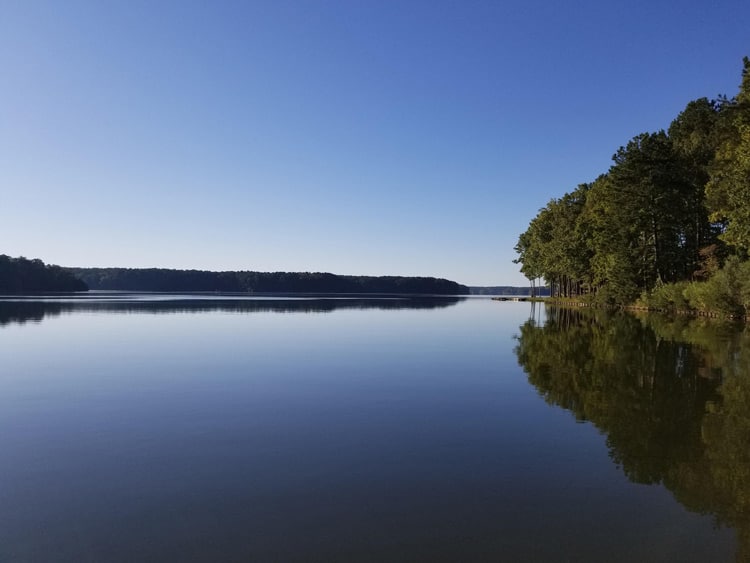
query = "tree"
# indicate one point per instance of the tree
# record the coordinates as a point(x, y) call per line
point(20, 275)
point(553, 248)
point(528, 258)
point(728, 190)
point(694, 136)
point(671, 209)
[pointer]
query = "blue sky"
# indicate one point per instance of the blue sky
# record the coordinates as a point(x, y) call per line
point(355, 137)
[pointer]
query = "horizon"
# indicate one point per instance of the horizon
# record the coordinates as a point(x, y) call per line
point(417, 138)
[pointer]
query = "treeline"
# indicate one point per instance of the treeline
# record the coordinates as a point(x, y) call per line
point(21, 275)
point(166, 280)
point(673, 208)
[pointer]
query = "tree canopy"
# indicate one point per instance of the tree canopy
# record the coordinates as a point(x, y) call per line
point(671, 208)
point(160, 279)
point(21, 275)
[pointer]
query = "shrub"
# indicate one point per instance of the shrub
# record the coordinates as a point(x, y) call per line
point(666, 297)
point(721, 293)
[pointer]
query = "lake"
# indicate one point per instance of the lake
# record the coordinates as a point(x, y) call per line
point(227, 428)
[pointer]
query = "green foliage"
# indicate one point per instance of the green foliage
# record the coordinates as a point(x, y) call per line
point(725, 293)
point(728, 189)
point(722, 293)
point(553, 248)
point(664, 213)
point(666, 297)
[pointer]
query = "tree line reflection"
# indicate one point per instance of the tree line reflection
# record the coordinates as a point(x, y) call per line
point(671, 395)
point(22, 311)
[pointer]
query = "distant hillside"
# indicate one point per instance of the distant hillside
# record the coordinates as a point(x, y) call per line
point(159, 279)
point(21, 275)
point(507, 290)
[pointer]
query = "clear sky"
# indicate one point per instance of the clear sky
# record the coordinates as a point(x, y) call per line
point(354, 137)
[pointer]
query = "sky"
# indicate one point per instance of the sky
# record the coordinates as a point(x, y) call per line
point(354, 137)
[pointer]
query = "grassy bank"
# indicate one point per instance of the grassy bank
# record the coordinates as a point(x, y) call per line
point(725, 294)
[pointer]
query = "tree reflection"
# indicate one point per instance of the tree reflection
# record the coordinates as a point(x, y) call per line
point(35, 310)
point(672, 397)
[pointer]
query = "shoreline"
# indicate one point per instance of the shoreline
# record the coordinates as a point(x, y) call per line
point(568, 302)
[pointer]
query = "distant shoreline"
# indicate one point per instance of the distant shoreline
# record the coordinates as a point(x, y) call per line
point(251, 282)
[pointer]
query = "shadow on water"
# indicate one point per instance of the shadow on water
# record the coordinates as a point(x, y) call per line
point(672, 396)
point(37, 308)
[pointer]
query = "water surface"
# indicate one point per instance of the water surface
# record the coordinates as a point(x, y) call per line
point(220, 428)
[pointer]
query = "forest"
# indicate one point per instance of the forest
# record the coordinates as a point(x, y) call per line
point(19, 275)
point(666, 227)
point(160, 279)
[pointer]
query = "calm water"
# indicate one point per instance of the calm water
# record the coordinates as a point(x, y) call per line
point(156, 428)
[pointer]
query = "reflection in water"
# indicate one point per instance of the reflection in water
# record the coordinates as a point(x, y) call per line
point(15, 310)
point(406, 435)
point(672, 397)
